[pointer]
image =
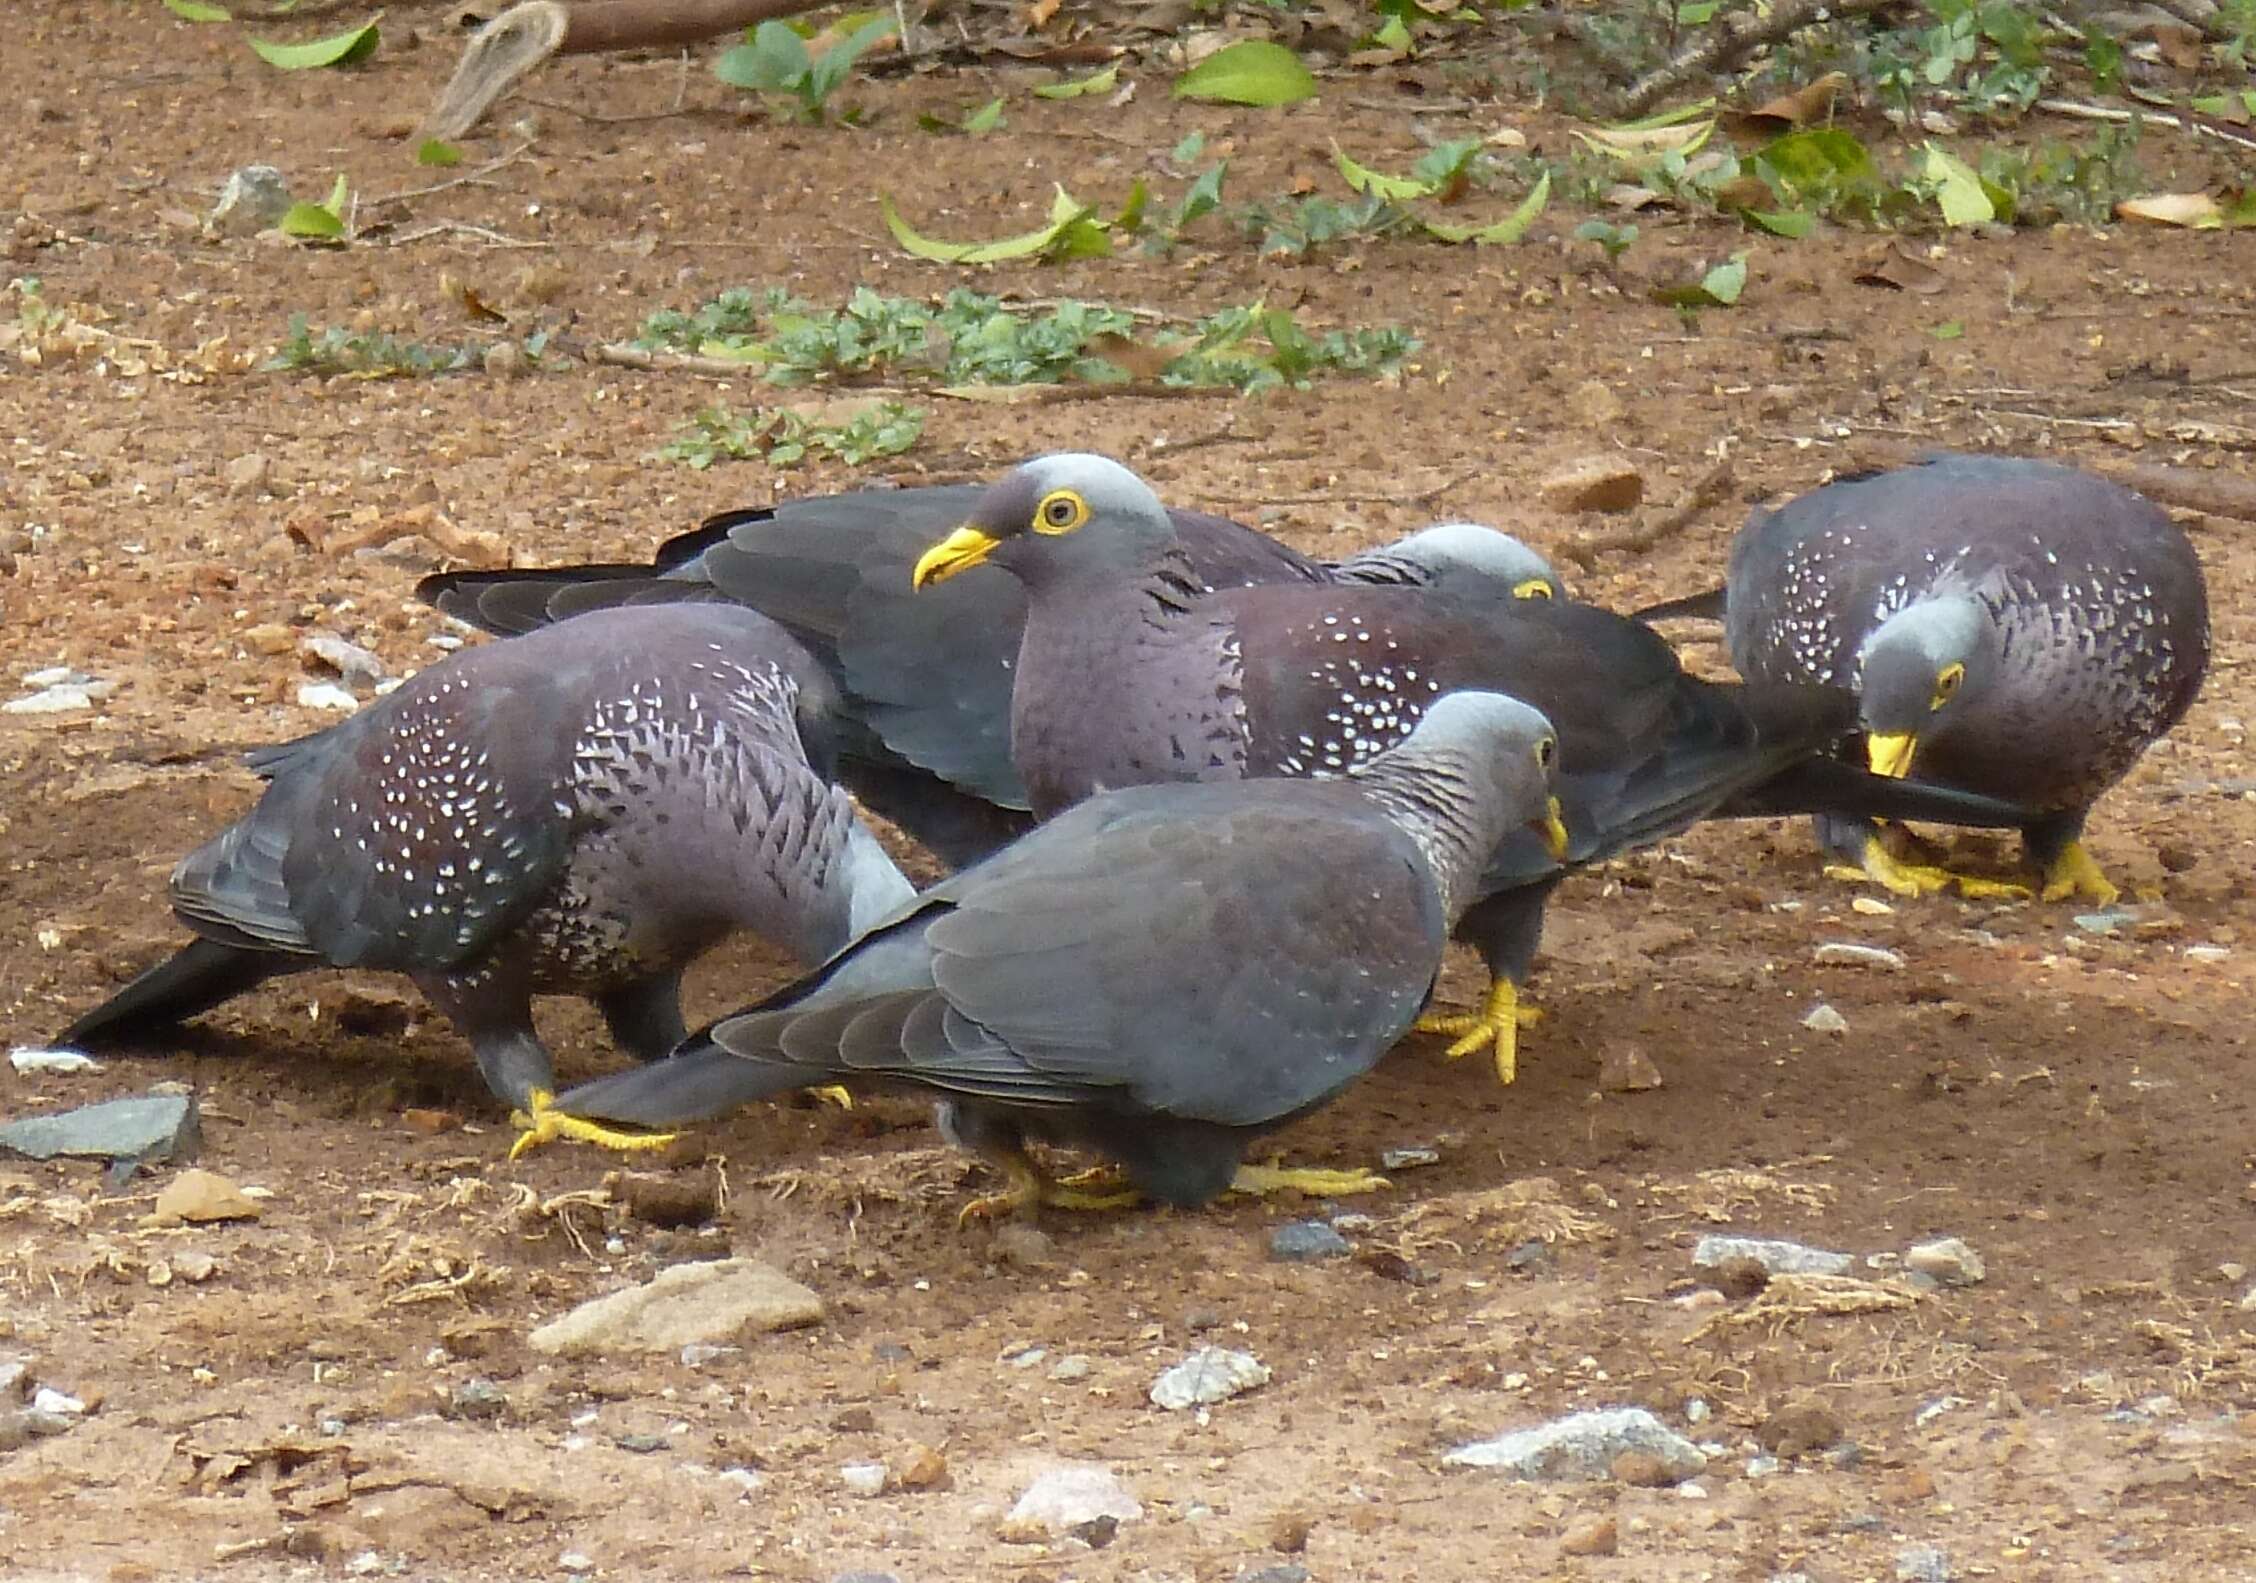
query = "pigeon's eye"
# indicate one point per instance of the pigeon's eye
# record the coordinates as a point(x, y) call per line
point(1946, 685)
point(1061, 511)
point(1547, 750)
point(1533, 588)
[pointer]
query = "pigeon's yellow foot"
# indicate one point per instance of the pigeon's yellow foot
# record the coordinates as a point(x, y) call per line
point(1907, 878)
point(833, 1094)
point(2073, 873)
point(547, 1124)
point(1028, 1190)
point(1260, 1180)
point(1097, 1178)
point(1496, 1025)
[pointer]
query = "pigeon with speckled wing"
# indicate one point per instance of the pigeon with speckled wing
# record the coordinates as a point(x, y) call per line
point(1160, 975)
point(927, 681)
point(1130, 671)
point(2013, 627)
point(584, 810)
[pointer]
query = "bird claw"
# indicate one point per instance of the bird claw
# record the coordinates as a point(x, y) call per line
point(1495, 1026)
point(546, 1124)
point(2074, 873)
point(1258, 1181)
point(1902, 877)
point(1101, 1187)
point(834, 1094)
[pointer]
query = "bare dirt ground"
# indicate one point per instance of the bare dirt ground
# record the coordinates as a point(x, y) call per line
point(2078, 1108)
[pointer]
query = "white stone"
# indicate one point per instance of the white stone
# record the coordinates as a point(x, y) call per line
point(713, 1301)
point(1069, 1495)
point(1583, 1446)
point(1778, 1257)
point(326, 695)
point(1207, 1376)
point(26, 1059)
point(1847, 953)
point(1824, 1019)
point(863, 1478)
point(1947, 1260)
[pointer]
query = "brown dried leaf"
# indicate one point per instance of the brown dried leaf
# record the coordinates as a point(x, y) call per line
point(1805, 106)
point(1899, 271)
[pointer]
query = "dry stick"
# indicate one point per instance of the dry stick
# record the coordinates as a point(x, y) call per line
point(2199, 125)
point(513, 44)
point(1711, 489)
point(1728, 43)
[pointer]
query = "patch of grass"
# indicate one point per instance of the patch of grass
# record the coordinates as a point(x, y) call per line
point(2079, 183)
point(1297, 227)
point(783, 437)
point(376, 354)
point(967, 338)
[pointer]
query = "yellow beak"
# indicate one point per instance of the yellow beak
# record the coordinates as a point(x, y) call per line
point(1554, 830)
point(959, 551)
point(1889, 753)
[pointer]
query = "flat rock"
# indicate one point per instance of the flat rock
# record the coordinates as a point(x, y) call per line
point(1776, 1257)
point(712, 1301)
point(27, 1058)
point(196, 1197)
point(153, 1127)
point(1068, 1496)
point(1307, 1241)
point(1848, 953)
point(1947, 1260)
point(1207, 1376)
point(254, 198)
point(1594, 483)
point(1584, 1446)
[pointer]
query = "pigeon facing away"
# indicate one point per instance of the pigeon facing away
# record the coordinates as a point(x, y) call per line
point(585, 810)
point(1131, 672)
point(1159, 976)
point(927, 681)
point(2013, 627)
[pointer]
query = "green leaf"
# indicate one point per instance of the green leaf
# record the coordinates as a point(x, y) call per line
point(192, 11)
point(984, 119)
point(1101, 82)
point(1505, 231)
point(1068, 233)
point(1959, 193)
point(1204, 197)
point(313, 221)
point(773, 60)
point(1950, 330)
point(434, 152)
point(1720, 287)
point(1793, 224)
point(1815, 158)
point(827, 71)
point(1131, 216)
point(1252, 72)
point(1393, 35)
point(339, 49)
point(1361, 178)
point(339, 195)
point(1189, 149)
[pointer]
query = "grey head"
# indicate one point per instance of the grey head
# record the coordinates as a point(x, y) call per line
point(1478, 767)
point(1463, 558)
point(1918, 668)
point(1071, 518)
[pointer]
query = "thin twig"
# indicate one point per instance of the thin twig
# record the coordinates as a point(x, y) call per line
point(2199, 125)
point(465, 179)
point(2048, 417)
point(1727, 43)
point(599, 118)
point(1423, 497)
point(442, 227)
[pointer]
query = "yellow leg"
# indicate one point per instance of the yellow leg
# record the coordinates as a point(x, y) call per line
point(1497, 1024)
point(834, 1094)
point(1908, 878)
point(547, 1124)
point(1259, 1180)
point(2074, 873)
point(1028, 1190)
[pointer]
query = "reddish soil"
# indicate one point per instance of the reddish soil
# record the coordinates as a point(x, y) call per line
point(2078, 1108)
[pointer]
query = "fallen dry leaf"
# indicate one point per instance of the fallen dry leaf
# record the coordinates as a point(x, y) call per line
point(2194, 209)
point(1899, 271)
point(1805, 106)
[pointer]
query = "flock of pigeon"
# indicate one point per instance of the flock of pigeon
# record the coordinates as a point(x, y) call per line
point(1214, 809)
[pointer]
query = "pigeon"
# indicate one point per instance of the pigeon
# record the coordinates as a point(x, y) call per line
point(1131, 671)
point(2012, 627)
point(584, 810)
point(1160, 976)
point(927, 681)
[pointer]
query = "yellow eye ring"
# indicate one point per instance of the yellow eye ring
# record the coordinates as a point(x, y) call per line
point(1061, 511)
point(1946, 684)
point(1547, 750)
point(1533, 588)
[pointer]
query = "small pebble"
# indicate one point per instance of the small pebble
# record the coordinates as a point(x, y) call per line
point(1593, 1536)
point(1411, 1158)
point(922, 1468)
point(247, 474)
point(1306, 1241)
point(326, 695)
point(1073, 1366)
point(1824, 1019)
point(1947, 1260)
point(1775, 1256)
point(1627, 1069)
point(1922, 1564)
point(863, 1478)
point(1207, 1376)
point(576, 1561)
point(1846, 953)
point(477, 1399)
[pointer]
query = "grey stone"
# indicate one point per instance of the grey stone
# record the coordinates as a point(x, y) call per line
point(1824, 1019)
point(863, 1478)
point(1922, 1564)
point(153, 1128)
point(1409, 1159)
point(1948, 1260)
point(1073, 1366)
point(350, 661)
point(716, 1301)
point(254, 199)
point(1778, 1258)
point(1306, 1241)
point(1207, 1376)
point(1847, 953)
point(1068, 1496)
point(1282, 1572)
point(477, 1399)
point(1583, 1446)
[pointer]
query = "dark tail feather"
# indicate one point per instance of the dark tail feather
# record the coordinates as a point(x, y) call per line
point(510, 603)
point(698, 1082)
point(194, 979)
point(1692, 607)
point(1833, 786)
